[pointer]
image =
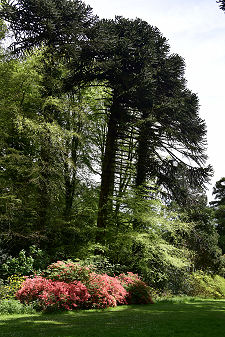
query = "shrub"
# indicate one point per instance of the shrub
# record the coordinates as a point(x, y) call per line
point(128, 279)
point(25, 263)
point(137, 291)
point(21, 265)
point(67, 271)
point(9, 288)
point(106, 291)
point(69, 285)
point(201, 284)
point(13, 306)
point(53, 294)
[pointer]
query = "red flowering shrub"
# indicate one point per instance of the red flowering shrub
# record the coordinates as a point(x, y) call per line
point(69, 285)
point(53, 294)
point(137, 291)
point(106, 291)
point(67, 271)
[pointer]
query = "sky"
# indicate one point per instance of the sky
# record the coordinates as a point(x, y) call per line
point(195, 29)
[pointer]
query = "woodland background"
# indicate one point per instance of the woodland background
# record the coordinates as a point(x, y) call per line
point(103, 151)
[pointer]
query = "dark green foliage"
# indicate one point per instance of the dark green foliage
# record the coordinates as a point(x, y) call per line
point(219, 193)
point(219, 210)
point(151, 100)
point(55, 23)
point(26, 263)
point(203, 238)
point(140, 293)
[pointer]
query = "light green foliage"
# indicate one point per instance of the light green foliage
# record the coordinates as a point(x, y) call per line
point(205, 285)
point(11, 306)
point(19, 92)
point(3, 29)
point(102, 265)
point(42, 153)
point(149, 239)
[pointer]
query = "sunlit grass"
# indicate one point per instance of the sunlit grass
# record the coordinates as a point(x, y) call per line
point(186, 317)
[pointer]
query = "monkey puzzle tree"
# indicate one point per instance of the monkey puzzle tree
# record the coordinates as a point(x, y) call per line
point(121, 48)
point(149, 100)
point(58, 24)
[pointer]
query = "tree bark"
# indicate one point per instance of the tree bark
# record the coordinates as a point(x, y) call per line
point(142, 154)
point(108, 174)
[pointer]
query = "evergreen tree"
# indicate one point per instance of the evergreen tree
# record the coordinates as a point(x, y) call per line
point(57, 24)
point(219, 209)
point(149, 99)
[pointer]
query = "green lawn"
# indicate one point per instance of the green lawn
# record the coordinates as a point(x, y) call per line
point(191, 319)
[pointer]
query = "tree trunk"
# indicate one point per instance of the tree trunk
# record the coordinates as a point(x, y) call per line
point(108, 174)
point(142, 154)
point(44, 186)
point(70, 179)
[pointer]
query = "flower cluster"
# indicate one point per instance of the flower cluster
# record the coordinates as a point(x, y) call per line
point(68, 285)
point(53, 294)
point(11, 286)
point(106, 291)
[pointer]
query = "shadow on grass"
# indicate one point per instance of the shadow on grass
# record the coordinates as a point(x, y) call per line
point(201, 318)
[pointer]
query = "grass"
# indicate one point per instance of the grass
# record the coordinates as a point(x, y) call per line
point(171, 318)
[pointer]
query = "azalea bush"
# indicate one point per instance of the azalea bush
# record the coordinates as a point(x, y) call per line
point(67, 271)
point(68, 285)
point(137, 291)
point(106, 291)
point(50, 294)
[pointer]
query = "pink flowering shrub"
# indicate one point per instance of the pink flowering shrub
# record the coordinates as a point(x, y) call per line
point(67, 271)
point(53, 294)
point(106, 291)
point(137, 291)
point(68, 285)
